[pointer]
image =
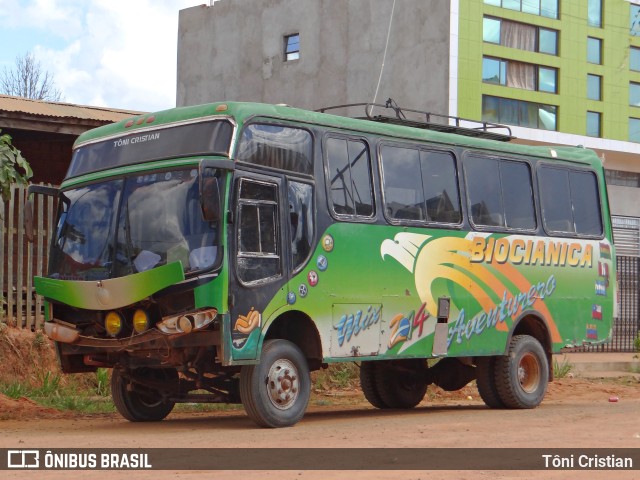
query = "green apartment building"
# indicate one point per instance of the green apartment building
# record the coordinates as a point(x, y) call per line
point(556, 71)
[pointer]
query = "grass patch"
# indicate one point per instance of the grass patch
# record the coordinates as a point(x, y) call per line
point(86, 393)
point(561, 370)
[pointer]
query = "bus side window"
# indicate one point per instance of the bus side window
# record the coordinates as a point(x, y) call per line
point(570, 201)
point(349, 169)
point(500, 193)
point(301, 222)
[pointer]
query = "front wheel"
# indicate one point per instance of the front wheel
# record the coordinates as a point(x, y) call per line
point(136, 398)
point(521, 376)
point(276, 391)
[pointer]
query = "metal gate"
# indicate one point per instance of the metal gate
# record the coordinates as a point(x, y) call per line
point(626, 326)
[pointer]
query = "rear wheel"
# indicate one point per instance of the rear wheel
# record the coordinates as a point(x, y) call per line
point(276, 391)
point(522, 375)
point(368, 384)
point(486, 382)
point(401, 383)
point(137, 394)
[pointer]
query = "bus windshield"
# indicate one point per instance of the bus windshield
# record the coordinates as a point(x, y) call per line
point(129, 225)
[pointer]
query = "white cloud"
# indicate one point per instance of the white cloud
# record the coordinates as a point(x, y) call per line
point(116, 53)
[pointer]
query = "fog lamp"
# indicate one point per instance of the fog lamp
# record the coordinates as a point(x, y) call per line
point(113, 323)
point(140, 321)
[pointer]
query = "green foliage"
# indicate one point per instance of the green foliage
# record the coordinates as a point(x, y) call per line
point(337, 376)
point(14, 169)
point(636, 343)
point(103, 382)
point(561, 370)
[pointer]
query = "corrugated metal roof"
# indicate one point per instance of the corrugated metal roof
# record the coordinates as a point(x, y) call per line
point(62, 110)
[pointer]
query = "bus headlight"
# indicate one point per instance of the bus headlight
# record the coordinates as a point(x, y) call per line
point(188, 322)
point(113, 323)
point(140, 321)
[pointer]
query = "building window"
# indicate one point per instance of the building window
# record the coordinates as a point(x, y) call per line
point(594, 50)
point(634, 130)
point(594, 87)
point(494, 71)
point(518, 112)
point(292, 47)
point(548, 79)
point(634, 94)
point(634, 23)
point(519, 75)
point(546, 8)
point(634, 59)
point(548, 41)
point(520, 35)
point(623, 179)
point(594, 13)
point(594, 124)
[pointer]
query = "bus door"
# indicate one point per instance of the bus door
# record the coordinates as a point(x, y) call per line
point(258, 263)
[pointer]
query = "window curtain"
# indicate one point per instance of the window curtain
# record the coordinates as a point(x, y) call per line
point(518, 35)
point(521, 75)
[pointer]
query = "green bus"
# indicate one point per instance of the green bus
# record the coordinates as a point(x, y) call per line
point(222, 252)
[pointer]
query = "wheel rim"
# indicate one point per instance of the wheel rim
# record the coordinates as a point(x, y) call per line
point(529, 373)
point(283, 384)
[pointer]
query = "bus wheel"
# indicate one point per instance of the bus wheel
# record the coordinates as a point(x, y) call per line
point(486, 382)
point(522, 375)
point(368, 384)
point(401, 383)
point(141, 403)
point(276, 391)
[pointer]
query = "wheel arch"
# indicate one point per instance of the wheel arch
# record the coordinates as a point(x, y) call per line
point(530, 323)
point(298, 328)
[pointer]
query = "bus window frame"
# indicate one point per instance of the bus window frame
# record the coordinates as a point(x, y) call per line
point(341, 217)
point(293, 269)
point(601, 191)
point(279, 183)
point(428, 148)
point(534, 193)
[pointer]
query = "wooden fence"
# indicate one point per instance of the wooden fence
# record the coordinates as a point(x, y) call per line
point(21, 260)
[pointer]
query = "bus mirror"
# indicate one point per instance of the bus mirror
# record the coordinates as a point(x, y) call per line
point(210, 198)
point(28, 220)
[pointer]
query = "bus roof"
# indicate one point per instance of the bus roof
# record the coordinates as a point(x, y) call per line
point(244, 111)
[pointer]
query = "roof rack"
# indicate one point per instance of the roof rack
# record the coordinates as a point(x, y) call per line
point(396, 115)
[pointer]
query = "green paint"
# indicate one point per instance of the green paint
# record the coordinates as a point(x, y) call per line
point(113, 293)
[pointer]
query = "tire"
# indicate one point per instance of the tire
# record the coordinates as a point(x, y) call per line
point(521, 376)
point(400, 383)
point(368, 384)
point(142, 404)
point(486, 382)
point(276, 391)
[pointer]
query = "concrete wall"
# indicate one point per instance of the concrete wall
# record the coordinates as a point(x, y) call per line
point(234, 50)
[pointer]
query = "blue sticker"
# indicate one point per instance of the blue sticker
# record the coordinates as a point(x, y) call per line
point(322, 263)
point(291, 298)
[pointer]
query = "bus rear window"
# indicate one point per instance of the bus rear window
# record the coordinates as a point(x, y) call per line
point(202, 138)
point(275, 146)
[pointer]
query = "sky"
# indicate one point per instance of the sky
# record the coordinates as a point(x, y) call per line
point(107, 53)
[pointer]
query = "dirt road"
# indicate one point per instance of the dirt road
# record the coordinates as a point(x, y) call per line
point(576, 413)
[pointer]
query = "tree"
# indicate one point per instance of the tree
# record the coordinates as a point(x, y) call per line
point(14, 169)
point(29, 81)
